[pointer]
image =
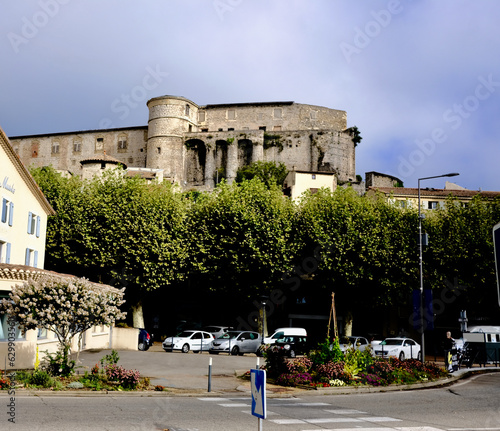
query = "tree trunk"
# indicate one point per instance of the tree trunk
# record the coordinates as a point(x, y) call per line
point(137, 315)
point(348, 324)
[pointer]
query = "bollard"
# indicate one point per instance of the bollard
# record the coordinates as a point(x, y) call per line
point(209, 374)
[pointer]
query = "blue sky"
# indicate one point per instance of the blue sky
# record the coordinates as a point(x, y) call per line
point(419, 78)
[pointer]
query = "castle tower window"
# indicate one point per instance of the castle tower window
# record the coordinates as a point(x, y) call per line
point(122, 143)
point(158, 150)
point(230, 129)
point(99, 144)
point(278, 113)
point(77, 146)
point(55, 147)
point(262, 128)
point(231, 114)
point(190, 128)
point(187, 110)
point(201, 116)
point(313, 115)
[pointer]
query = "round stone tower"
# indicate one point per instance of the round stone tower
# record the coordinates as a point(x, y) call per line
point(169, 118)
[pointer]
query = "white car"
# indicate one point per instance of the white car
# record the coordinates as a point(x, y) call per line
point(401, 348)
point(189, 340)
point(359, 343)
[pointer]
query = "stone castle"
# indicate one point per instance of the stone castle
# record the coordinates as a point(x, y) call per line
point(196, 146)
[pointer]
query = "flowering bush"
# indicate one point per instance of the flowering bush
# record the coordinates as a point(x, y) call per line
point(127, 378)
point(372, 379)
point(294, 379)
point(337, 382)
point(66, 306)
point(298, 365)
point(95, 370)
point(331, 371)
point(4, 381)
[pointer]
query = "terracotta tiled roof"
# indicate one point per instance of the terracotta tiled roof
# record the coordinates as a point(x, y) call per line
point(413, 192)
point(99, 158)
point(20, 273)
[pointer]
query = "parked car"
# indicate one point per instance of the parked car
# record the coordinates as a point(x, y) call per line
point(145, 340)
point(292, 345)
point(402, 348)
point(189, 340)
point(282, 332)
point(359, 343)
point(237, 343)
point(215, 330)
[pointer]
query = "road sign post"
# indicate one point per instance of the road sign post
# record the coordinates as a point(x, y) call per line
point(258, 386)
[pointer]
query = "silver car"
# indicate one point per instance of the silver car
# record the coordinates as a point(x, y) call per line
point(237, 343)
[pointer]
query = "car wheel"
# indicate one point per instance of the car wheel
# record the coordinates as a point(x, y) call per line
point(214, 353)
point(402, 356)
point(142, 346)
point(185, 348)
point(235, 351)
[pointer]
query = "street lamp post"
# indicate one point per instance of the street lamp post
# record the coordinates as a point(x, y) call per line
point(421, 272)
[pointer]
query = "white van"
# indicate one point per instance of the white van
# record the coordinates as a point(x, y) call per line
point(284, 332)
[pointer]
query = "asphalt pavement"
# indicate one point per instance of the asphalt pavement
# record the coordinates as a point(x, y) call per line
point(188, 373)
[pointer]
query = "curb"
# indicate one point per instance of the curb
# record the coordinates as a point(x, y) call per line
point(273, 391)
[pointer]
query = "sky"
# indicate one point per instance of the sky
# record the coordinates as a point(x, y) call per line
point(419, 78)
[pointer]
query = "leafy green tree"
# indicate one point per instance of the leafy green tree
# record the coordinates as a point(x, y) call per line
point(460, 256)
point(116, 230)
point(270, 173)
point(240, 239)
point(367, 255)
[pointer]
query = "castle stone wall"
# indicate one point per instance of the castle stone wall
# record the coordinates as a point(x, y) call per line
point(196, 146)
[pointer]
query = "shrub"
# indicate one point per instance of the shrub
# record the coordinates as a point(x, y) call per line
point(276, 363)
point(111, 359)
point(372, 379)
point(57, 365)
point(128, 379)
point(294, 379)
point(331, 371)
point(327, 352)
point(298, 365)
point(41, 378)
point(4, 381)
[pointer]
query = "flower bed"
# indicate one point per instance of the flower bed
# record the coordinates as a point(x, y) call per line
point(329, 367)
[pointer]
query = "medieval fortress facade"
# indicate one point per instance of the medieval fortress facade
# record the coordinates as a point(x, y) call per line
point(196, 146)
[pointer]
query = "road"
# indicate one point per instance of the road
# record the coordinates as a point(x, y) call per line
point(469, 405)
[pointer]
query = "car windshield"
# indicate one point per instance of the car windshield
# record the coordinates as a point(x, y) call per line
point(392, 342)
point(229, 335)
point(185, 334)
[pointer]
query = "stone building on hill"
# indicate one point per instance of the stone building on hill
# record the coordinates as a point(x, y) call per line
point(196, 146)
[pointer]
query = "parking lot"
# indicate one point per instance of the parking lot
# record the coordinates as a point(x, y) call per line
point(179, 370)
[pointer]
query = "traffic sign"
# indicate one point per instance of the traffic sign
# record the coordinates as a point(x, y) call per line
point(258, 385)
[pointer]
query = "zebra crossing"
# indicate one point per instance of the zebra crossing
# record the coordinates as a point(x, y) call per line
point(346, 419)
